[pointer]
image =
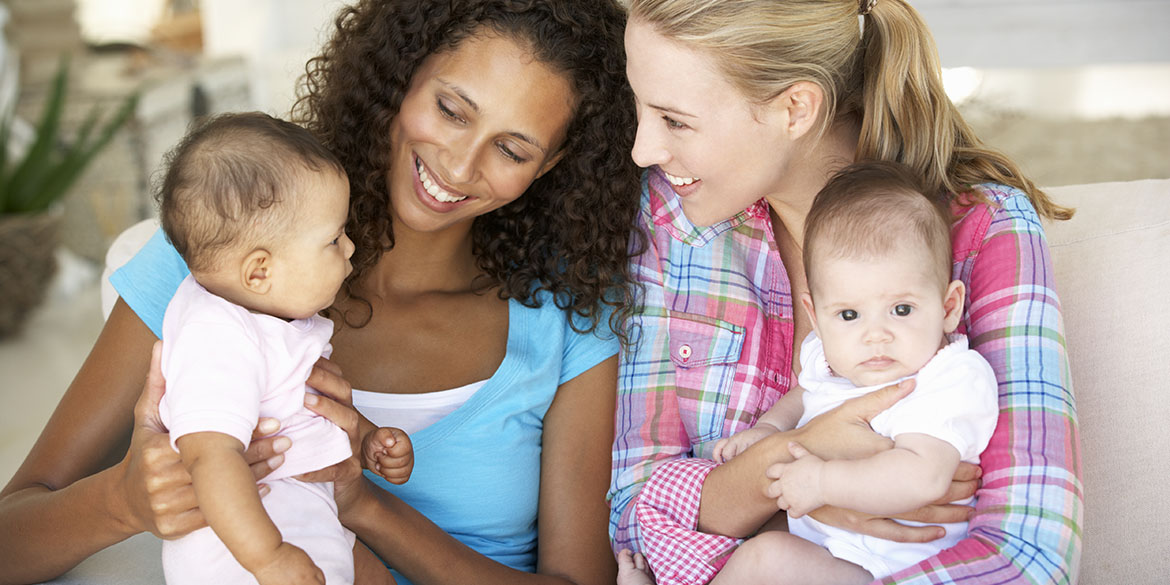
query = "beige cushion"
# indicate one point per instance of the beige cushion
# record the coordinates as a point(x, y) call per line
point(1112, 263)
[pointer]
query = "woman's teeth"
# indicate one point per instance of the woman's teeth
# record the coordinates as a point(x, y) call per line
point(679, 181)
point(432, 189)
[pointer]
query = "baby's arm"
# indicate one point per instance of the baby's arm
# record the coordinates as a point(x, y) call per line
point(226, 491)
point(783, 416)
point(916, 472)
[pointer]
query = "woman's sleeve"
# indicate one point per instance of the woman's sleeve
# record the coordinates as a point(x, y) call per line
point(656, 485)
point(1027, 522)
point(149, 280)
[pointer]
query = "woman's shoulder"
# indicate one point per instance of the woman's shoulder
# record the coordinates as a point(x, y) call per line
point(553, 334)
point(989, 210)
point(1004, 202)
point(149, 280)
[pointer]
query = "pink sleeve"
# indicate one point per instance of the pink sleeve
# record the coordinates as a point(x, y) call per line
point(214, 381)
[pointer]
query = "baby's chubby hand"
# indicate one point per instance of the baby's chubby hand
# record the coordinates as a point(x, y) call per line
point(289, 565)
point(798, 484)
point(729, 447)
point(387, 451)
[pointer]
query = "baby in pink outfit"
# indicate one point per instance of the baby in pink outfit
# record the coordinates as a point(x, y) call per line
point(257, 208)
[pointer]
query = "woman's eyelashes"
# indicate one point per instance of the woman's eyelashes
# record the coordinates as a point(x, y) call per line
point(673, 124)
point(511, 155)
point(449, 113)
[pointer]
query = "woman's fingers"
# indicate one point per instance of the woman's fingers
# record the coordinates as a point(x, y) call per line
point(968, 472)
point(265, 455)
point(874, 526)
point(328, 366)
point(959, 490)
point(938, 514)
point(897, 532)
point(341, 414)
point(326, 379)
point(872, 404)
point(146, 409)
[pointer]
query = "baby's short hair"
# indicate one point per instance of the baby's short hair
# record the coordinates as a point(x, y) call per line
point(224, 180)
point(869, 208)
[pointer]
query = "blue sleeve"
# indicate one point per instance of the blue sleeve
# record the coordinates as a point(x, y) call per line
point(585, 350)
point(149, 280)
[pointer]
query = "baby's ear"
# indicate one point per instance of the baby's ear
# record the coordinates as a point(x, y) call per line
point(953, 305)
point(807, 300)
point(257, 270)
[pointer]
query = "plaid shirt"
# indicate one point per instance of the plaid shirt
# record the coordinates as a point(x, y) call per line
point(713, 351)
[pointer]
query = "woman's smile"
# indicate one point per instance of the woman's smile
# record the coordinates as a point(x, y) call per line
point(433, 189)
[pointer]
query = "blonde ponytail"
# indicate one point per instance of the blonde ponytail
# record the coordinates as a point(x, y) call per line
point(909, 118)
point(889, 78)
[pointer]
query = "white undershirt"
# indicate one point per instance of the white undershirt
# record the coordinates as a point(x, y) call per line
point(412, 412)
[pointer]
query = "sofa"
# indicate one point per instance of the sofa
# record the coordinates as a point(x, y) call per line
point(1112, 263)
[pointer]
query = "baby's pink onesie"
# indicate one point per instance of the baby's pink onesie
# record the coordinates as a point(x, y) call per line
point(225, 367)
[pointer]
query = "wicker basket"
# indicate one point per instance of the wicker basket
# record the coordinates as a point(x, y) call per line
point(28, 243)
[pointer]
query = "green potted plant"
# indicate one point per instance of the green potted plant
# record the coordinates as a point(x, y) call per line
point(31, 186)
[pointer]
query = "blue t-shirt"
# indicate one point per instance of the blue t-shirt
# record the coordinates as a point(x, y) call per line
point(477, 470)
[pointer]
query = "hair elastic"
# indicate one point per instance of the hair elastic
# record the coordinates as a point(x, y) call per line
point(865, 7)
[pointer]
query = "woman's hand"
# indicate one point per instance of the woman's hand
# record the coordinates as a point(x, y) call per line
point(336, 404)
point(844, 432)
point(963, 486)
point(157, 487)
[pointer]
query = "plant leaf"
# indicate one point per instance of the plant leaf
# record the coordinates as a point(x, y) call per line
point(31, 172)
point(79, 156)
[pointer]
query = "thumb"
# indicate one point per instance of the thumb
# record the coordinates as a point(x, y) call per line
point(146, 409)
point(870, 405)
point(797, 449)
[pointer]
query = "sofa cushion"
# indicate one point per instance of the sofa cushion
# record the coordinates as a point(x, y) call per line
point(1112, 263)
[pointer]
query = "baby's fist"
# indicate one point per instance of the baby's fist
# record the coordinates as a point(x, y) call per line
point(387, 451)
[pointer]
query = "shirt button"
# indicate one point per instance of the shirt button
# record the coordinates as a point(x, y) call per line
point(684, 352)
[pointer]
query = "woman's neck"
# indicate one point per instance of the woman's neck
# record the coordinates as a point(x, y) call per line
point(424, 262)
point(808, 172)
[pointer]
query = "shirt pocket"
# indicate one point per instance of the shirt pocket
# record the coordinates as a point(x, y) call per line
point(705, 353)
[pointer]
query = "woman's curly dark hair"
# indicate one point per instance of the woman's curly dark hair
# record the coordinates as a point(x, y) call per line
point(569, 234)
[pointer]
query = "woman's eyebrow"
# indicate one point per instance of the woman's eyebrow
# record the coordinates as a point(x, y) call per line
point(671, 110)
point(475, 108)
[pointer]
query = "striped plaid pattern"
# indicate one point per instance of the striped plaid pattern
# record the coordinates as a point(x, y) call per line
point(1027, 525)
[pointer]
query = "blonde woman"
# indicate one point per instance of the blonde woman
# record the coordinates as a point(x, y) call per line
point(746, 108)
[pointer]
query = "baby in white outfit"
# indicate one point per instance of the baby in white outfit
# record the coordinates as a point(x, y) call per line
point(884, 308)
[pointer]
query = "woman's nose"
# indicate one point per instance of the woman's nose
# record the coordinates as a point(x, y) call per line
point(459, 162)
point(649, 148)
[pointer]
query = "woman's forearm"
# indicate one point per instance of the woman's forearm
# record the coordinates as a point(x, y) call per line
point(414, 546)
point(733, 501)
point(44, 533)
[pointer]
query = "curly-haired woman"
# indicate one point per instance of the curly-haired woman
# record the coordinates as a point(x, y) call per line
point(486, 144)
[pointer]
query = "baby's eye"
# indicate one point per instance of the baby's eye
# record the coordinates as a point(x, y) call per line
point(335, 240)
point(903, 310)
point(848, 315)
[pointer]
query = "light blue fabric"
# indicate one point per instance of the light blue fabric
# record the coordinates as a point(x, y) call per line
point(149, 280)
point(477, 470)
